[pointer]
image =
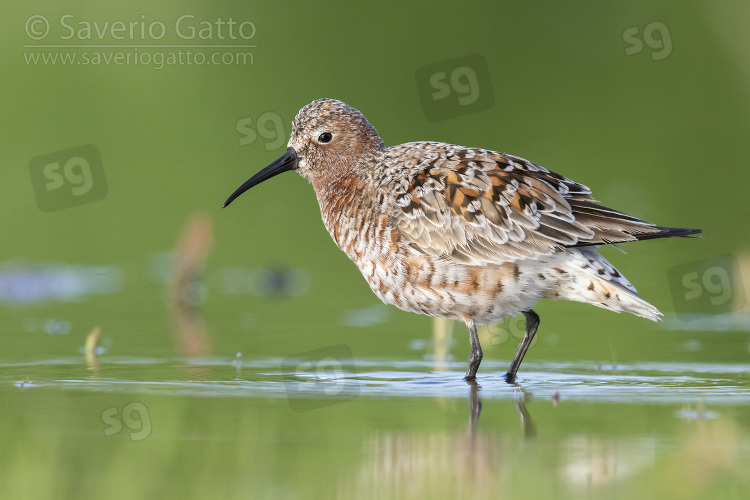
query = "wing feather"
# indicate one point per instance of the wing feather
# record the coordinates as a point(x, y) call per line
point(478, 206)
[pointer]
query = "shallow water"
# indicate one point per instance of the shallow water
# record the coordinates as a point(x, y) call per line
point(372, 428)
point(655, 383)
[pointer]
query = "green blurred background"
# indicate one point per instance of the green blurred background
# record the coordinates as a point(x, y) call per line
point(660, 133)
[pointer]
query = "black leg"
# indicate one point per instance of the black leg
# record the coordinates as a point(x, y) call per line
point(532, 323)
point(475, 357)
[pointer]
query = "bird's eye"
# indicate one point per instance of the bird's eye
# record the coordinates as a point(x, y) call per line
point(325, 137)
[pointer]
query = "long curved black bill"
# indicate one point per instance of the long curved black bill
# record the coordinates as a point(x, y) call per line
point(287, 161)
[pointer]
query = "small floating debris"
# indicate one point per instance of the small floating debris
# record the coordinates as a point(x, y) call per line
point(90, 347)
point(238, 363)
point(25, 383)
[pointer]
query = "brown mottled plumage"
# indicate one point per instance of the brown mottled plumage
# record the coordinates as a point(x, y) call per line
point(455, 232)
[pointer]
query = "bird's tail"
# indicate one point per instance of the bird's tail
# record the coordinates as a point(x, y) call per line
point(612, 226)
point(591, 279)
point(609, 295)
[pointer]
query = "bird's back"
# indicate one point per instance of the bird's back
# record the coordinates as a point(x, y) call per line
point(479, 206)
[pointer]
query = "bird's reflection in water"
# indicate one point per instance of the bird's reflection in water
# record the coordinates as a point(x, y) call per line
point(475, 410)
point(529, 431)
point(447, 463)
point(475, 456)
